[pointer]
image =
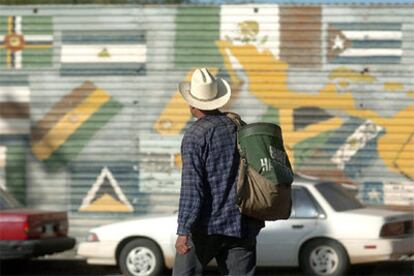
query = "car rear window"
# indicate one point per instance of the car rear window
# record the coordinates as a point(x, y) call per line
point(303, 204)
point(339, 198)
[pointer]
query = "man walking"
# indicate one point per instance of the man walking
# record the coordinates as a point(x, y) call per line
point(210, 224)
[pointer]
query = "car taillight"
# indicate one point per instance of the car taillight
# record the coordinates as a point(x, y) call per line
point(26, 227)
point(395, 229)
point(32, 231)
point(92, 237)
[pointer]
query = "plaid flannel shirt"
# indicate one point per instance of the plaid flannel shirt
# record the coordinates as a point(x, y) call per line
point(208, 185)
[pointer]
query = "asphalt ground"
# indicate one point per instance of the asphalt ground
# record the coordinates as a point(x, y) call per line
point(79, 267)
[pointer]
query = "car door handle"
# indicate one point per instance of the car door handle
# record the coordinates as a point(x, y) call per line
point(297, 226)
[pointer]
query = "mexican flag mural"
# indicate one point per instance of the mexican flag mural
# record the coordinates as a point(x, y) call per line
point(266, 27)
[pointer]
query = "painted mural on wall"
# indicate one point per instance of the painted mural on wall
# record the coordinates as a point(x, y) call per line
point(104, 187)
point(339, 131)
point(68, 126)
point(91, 109)
point(103, 53)
point(27, 41)
point(14, 131)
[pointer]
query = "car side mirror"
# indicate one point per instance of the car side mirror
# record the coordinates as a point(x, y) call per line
point(321, 216)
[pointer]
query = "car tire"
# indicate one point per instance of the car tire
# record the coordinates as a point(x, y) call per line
point(323, 257)
point(140, 257)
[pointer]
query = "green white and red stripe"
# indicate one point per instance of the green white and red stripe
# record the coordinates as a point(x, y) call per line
point(268, 27)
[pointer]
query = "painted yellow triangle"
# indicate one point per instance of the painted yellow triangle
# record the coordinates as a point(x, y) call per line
point(104, 53)
point(106, 203)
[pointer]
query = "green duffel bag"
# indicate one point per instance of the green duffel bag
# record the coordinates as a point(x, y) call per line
point(265, 172)
point(262, 145)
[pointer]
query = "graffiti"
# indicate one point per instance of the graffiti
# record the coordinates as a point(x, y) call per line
point(68, 126)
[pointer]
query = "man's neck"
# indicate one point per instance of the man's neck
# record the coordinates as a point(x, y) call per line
point(201, 113)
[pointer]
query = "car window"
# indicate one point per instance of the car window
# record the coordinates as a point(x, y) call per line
point(338, 197)
point(7, 201)
point(303, 204)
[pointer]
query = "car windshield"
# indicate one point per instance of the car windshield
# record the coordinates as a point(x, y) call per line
point(339, 198)
point(7, 201)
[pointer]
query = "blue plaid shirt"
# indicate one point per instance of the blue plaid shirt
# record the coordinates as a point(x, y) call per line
point(208, 185)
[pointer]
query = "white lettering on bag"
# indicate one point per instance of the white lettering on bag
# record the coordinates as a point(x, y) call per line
point(266, 164)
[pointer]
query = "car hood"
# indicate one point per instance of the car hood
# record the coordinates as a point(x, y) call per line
point(382, 214)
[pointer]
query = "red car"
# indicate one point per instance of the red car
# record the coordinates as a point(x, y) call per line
point(26, 233)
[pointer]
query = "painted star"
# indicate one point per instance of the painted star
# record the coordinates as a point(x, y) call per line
point(338, 43)
point(373, 194)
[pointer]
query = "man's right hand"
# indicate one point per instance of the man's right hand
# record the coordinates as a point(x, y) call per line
point(181, 245)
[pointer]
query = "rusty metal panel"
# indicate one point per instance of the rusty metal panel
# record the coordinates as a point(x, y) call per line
point(91, 121)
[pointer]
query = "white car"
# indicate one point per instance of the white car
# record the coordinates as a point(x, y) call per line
point(329, 229)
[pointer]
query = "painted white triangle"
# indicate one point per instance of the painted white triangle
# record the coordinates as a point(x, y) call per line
point(105, 173)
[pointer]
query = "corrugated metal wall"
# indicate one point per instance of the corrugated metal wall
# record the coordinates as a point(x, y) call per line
point(91, 121)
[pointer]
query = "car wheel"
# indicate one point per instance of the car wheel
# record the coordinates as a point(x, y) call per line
point(140, 257)
point(324, 257)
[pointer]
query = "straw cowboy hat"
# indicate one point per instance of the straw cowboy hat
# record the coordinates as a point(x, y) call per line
point(205, 92)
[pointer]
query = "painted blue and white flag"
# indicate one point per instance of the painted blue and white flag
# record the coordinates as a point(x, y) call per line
point(103, 53)
point(364, 43)
point(400, 193)
point(372, 193)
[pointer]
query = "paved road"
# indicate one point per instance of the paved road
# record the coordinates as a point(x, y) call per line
point(78, 267)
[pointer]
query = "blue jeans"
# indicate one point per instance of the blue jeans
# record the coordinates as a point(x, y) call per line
point(234, 256)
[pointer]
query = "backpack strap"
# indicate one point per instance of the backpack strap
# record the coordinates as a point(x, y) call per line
point(241, 183)
point(236, 119)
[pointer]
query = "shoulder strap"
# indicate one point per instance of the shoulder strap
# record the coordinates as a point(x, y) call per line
point(241, 183)
point(236, 119)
